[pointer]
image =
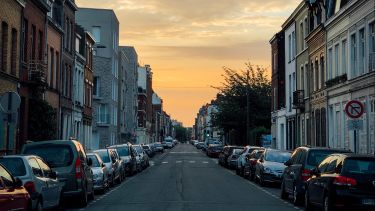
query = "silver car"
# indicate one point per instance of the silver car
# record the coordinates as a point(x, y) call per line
point(38, 179)
point(142, 156)
point(100, 173)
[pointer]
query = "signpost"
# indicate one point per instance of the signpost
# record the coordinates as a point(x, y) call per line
point(9, 104)
point(354, 109)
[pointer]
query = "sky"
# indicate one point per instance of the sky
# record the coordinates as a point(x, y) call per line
point(187, 42)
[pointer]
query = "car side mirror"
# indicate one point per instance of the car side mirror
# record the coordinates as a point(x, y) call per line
point(53, 175)
point(17, 183)
point(89, 162)
point(288, 163)
point(103, 165)
point(261, 160)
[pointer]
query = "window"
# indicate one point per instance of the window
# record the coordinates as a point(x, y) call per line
point(290, 95)
point(57, 71)
point(337, 72)
point(289, 48)
point(4, 46)
point(353, 56)
point(332, 166)
point(96, 33)
point(316, 74)
point(114, 115)
point(37, 171)
point(40, 45)
point(102, 114)
point(46, 169)
point(51, 67)
point(302, 78)
point(25, 27)
point(13, 55)
point(302, 36)
point(96, 86)
point(77, 44)
point(306, 31)
point(6, 177)
point(33, 36)
point(361, 60)
point(293, 45)
point(372, 46)
point(307, 79)
point(329, 68)
point(343, 57)
point(322, 73)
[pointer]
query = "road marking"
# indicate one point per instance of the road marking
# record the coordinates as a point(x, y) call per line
point(205, 162)
point(192, 161)
point(178, 161)
point(164, 162)
point(152, 163)
point(183, 152)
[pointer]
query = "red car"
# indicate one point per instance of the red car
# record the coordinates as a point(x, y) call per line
point(13, 196)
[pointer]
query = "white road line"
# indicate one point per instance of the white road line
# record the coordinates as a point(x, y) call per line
point(164, 162)
point(183, 152)
point(192, 161)
point(178, 161)
point(205, 162)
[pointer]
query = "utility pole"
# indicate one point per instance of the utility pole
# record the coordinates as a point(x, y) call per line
point(247, 107)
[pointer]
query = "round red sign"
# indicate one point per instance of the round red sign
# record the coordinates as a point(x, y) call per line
point(354, 109)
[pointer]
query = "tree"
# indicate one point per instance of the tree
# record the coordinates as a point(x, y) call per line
point(42, 121)
point(244, 103)
point(181, 133)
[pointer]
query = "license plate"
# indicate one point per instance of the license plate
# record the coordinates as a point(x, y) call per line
point(368, 201)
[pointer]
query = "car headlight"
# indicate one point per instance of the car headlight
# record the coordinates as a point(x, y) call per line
point(267, 170)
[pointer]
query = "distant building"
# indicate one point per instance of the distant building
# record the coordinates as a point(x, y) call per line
point(104, 26)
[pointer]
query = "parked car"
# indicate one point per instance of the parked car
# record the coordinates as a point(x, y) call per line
point(270, 166)
point(251, 161)
point(342, 181)
point(158, 147)
point(68, 159)
point(299, 168)
point(100, 172)
point(164, 144)
point(195, 142)
point(112, 163)
point(169, 143)
point(223, 156)
point(242, 159)
point(147, 148)
point(142, 156)
point(127, 156)
point(214, 150)
point(200, 145)
point(13, 196)
point(38, 179)
point(232, 159)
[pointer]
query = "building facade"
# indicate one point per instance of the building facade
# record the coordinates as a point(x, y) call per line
point(10, 36)
point(104, 26)
point(350, 30)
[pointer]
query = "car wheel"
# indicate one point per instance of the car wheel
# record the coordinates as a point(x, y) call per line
point(39, 205)
point(308, 206)
point(296, 196)
point(327, 203)
point(283, 193)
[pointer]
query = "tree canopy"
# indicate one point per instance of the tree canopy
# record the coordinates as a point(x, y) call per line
point(238, 86)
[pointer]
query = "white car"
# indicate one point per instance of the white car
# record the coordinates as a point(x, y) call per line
point(38, 179)
point(241, 161)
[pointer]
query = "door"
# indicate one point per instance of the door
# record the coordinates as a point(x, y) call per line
point(289, 172)
point(315, 184)
point(88, 175)
point(53, 186)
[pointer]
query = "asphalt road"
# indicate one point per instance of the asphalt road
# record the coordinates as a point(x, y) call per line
point(186, 179)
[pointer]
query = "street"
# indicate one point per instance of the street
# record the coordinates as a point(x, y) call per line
point(186, 179)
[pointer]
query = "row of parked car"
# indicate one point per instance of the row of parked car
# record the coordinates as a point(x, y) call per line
point(315, 177)
point(47, 173)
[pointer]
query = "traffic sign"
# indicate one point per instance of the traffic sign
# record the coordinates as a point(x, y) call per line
point(355, 124)
point(354, 109)
point(10, 102)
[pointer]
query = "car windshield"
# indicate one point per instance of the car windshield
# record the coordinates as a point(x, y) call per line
point(237, 151)
point(16, 166)
point(103, 155)
point(277, 156)
point(123, 151)
point(55, 155)
point(138, 149)
point(95, 161)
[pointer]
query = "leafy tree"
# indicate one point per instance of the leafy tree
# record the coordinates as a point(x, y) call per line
point(250, 84)
point(181, 133)
point(42, 121)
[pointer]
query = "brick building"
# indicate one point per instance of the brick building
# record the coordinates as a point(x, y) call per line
point(10, 31)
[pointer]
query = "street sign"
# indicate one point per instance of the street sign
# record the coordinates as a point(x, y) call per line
point(355, 124)
point(354, 109)
point(10, 102)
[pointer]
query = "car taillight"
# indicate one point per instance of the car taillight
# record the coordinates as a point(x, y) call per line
point(30, 187)
point(344, 181)
point(78, 169)
point(306, 174)
point(253, 162)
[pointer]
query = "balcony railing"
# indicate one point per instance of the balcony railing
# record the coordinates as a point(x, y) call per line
point(37, 71)
point(371, 64)
point(298, 99)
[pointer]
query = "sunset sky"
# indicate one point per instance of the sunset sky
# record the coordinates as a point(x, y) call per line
point(187, 42)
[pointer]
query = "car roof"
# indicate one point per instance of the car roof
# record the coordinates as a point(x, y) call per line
point(323, 148)
point(354, 155)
